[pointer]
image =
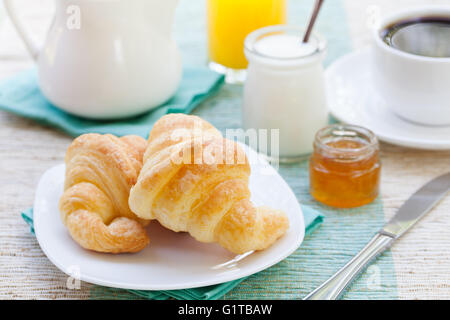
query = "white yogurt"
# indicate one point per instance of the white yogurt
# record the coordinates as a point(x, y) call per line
point(285, 89)
point(284, 46)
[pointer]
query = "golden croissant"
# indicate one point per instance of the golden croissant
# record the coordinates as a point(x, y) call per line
point(193, 180)
point(100, 171)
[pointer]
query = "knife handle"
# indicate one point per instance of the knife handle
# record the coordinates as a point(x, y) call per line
point(335, 286)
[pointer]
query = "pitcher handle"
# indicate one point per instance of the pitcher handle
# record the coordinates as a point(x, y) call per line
point(31, 47)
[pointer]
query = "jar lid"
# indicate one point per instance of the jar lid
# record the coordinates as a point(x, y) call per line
point(347, 142)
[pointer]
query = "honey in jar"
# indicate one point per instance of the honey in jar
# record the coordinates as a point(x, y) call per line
point(345, 166)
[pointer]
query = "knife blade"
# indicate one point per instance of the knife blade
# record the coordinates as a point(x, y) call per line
point(419, 204)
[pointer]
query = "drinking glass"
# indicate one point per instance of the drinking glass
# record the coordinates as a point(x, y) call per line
point(229, 23)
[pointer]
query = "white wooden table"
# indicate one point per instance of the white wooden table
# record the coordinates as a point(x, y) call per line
point(422, 257)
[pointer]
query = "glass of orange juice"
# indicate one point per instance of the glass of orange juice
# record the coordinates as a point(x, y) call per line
point(229, 23)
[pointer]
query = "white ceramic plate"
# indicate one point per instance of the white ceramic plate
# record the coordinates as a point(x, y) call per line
point(352, 99)
point(172, 260)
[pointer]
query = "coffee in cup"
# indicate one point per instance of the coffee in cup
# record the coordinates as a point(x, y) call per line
point(427, 36)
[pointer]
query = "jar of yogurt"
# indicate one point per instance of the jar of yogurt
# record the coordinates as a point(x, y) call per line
point(285, 90)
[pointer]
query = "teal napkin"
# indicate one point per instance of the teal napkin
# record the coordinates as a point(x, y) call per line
point(21, 95)
point(313, 220)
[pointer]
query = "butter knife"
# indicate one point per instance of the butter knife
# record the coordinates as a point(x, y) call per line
point(406, 217)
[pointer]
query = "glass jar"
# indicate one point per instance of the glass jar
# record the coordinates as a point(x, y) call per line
point(285, 90)
point(229, 22)
point(345, 166)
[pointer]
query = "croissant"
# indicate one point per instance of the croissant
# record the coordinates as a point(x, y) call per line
point(100, 171)
point(193, 180)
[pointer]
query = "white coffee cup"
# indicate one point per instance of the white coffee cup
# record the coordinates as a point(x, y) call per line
point(417, 88)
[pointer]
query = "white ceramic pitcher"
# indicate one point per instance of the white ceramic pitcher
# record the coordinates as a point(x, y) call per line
point(107, 59)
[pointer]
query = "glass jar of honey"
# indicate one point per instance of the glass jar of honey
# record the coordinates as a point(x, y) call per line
point(345, 166)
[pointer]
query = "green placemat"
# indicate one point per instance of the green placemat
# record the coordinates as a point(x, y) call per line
point(21, 95)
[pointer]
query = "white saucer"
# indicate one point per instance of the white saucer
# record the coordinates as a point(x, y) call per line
point(172, 260)
point(352, 99)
